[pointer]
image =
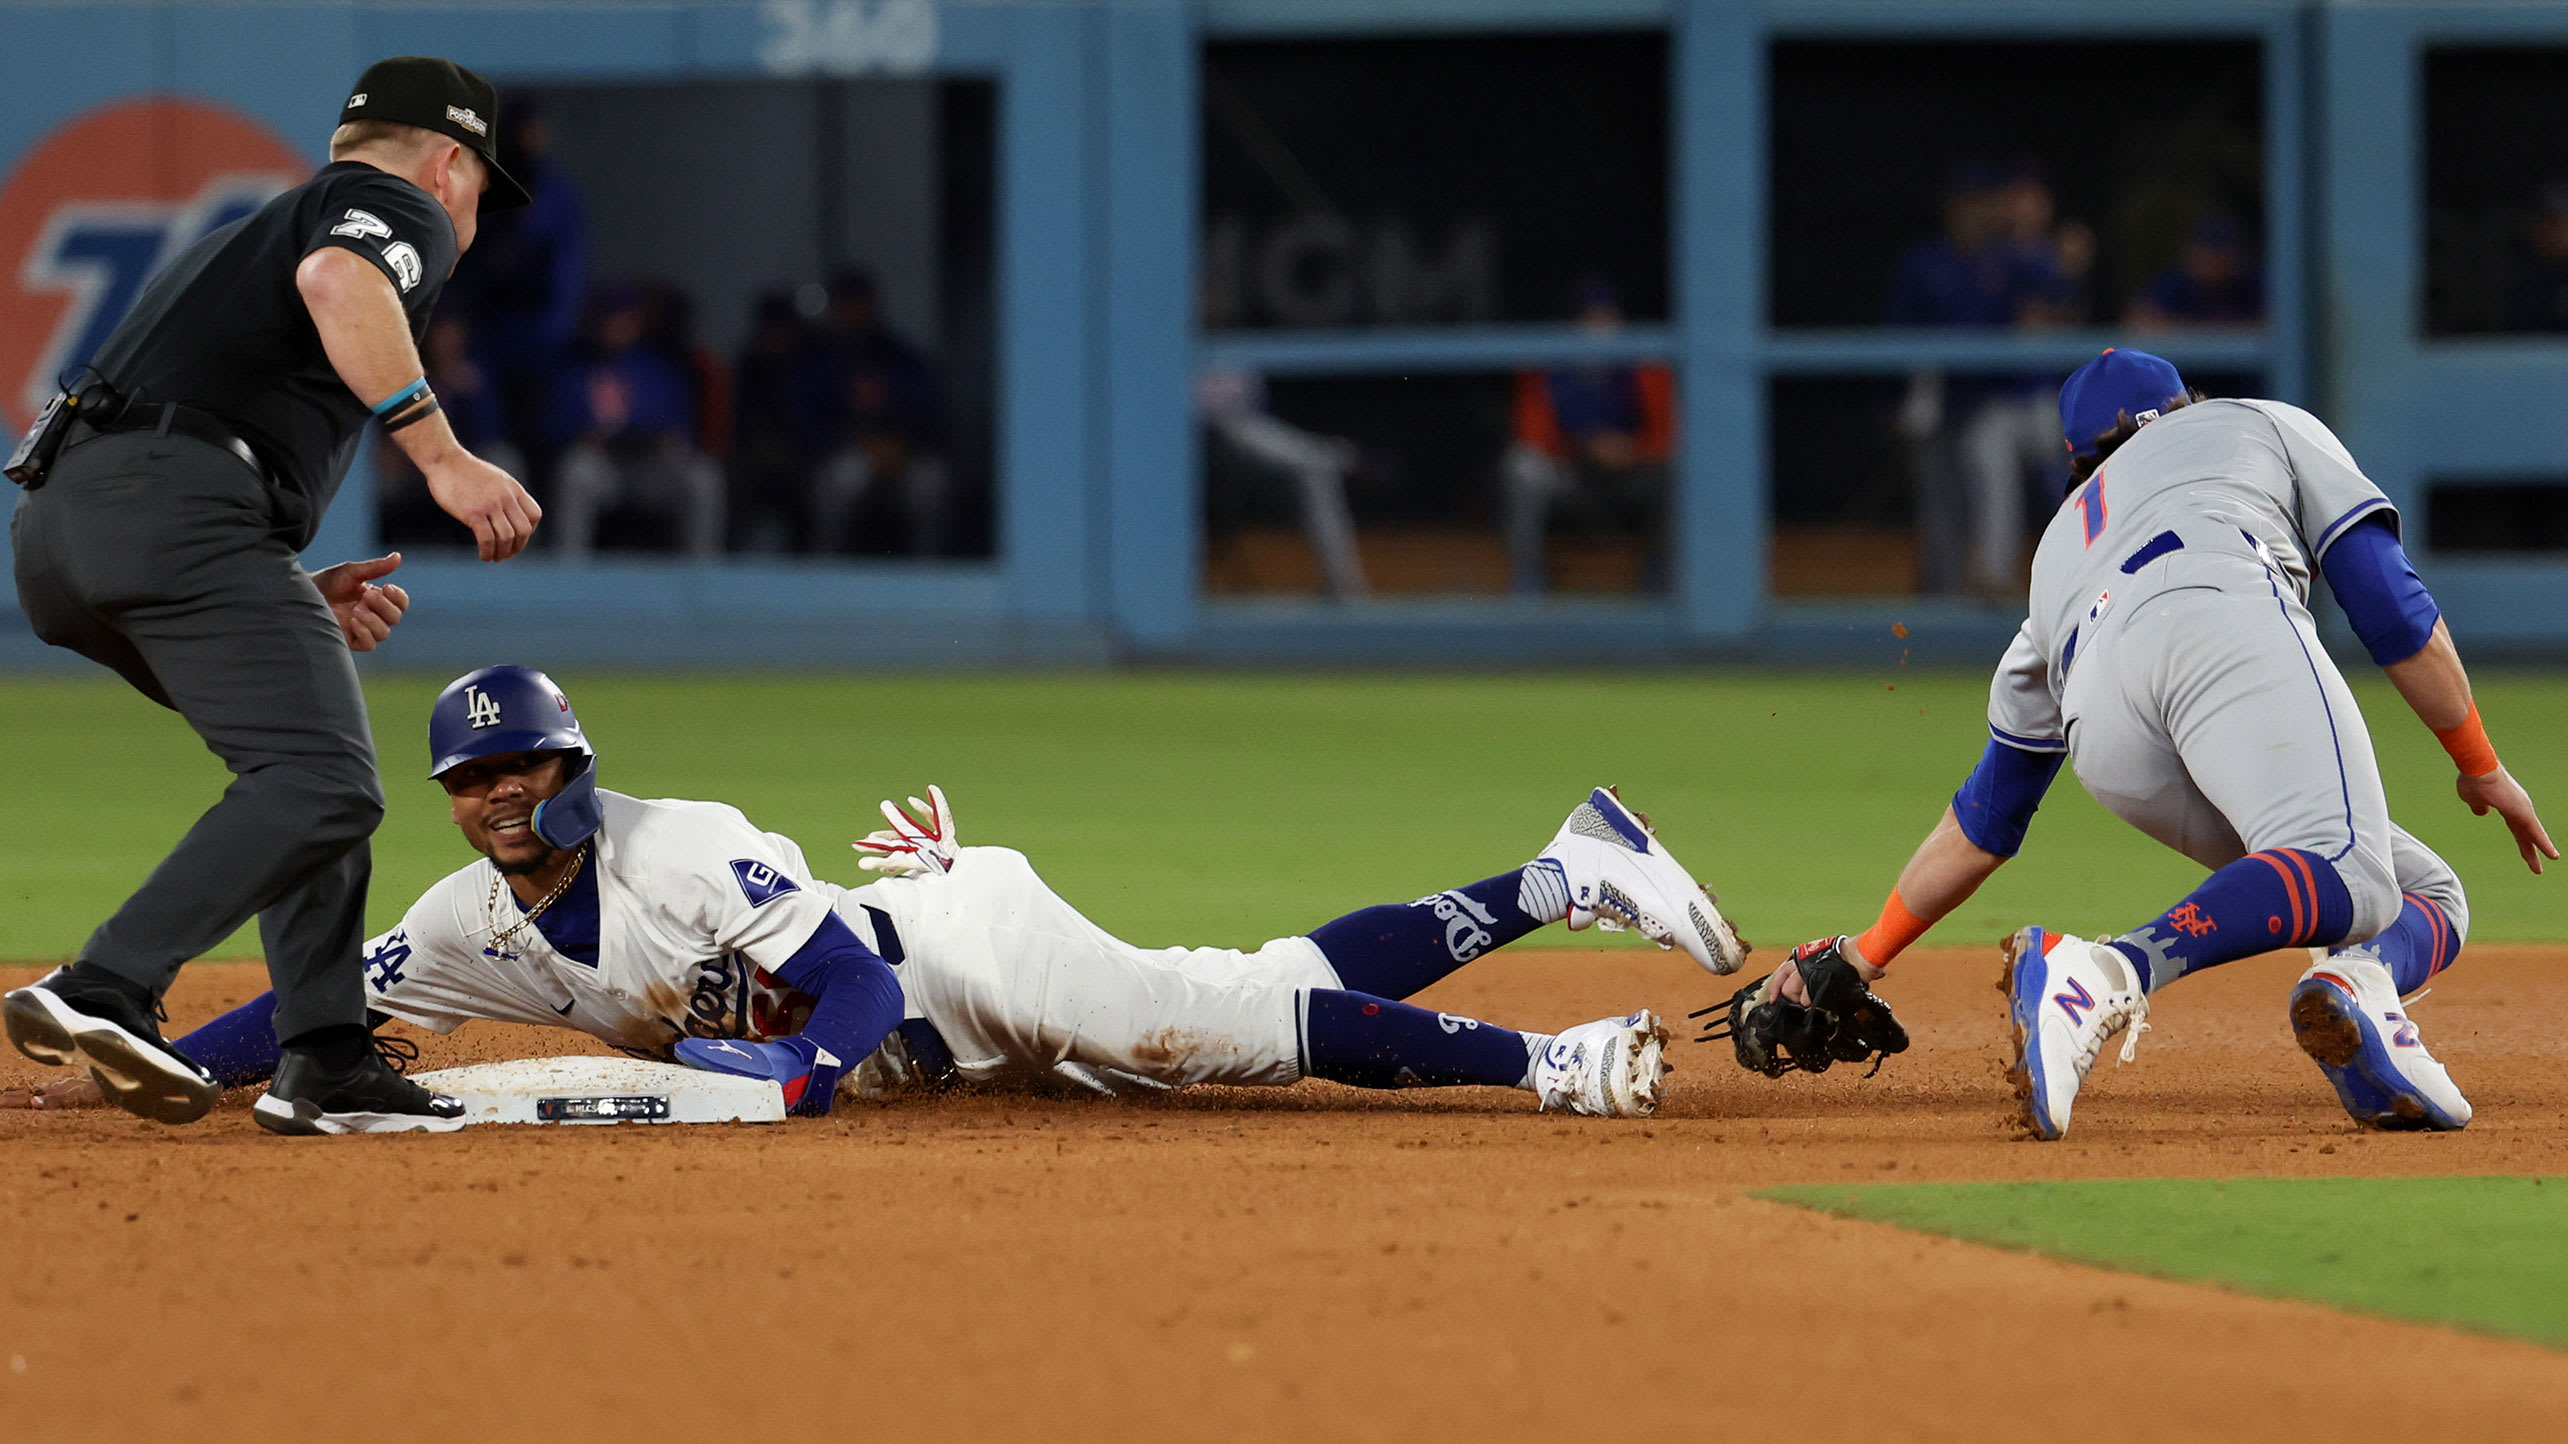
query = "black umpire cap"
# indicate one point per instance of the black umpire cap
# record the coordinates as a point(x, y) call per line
point(442, 96)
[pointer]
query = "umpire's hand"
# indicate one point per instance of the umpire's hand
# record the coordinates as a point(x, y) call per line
point(485, 498)
point(367, 612)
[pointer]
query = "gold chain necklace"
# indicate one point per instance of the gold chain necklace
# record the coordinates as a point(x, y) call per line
point(499, 939)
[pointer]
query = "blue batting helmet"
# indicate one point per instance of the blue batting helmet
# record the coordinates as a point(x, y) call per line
point(518, 709)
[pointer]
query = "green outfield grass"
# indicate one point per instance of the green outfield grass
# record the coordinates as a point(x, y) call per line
point(1224, 809)
point(2489, 1254)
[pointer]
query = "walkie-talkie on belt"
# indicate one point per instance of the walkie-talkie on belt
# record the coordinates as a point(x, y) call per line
point(36, 450)
point(83, 394)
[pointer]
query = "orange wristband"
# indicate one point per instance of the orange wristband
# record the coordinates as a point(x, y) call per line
point(1891, 936)
point(2468, 743)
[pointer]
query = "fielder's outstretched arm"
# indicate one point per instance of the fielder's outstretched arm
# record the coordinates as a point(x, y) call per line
point(2404, 630)
point(2436, 686)
point(1979, 831)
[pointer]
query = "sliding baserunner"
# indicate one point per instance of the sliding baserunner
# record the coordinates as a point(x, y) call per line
point(679, 930)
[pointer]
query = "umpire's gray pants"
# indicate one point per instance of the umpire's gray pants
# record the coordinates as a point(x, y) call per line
point(164, 558)
point(2203, 711)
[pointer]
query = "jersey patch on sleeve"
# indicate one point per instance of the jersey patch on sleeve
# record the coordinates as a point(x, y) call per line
point(760, 883)
point(363, 226)
point(405, 264)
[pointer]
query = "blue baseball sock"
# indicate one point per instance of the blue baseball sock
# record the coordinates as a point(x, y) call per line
point(2420, 944)
point(1377, 1043)
point(2282, 898)
point(1397, 950)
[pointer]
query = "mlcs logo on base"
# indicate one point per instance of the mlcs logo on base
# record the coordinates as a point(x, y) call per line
point(97, 206)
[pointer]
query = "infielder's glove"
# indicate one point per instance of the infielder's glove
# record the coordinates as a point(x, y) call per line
point(918, 841)
point(1842, 1023)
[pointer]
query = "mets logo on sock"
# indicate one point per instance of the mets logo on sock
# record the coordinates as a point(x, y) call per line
point(90, 211)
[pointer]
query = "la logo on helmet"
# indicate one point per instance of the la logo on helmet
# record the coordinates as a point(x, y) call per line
point(90, 211)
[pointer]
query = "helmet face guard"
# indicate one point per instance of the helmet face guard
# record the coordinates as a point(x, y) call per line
point(498, 710)
point(571, 816)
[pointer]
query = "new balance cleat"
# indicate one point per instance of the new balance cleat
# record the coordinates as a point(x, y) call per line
point(807, 1072)
point(2347, 1017)
point(1606, 1069)
point(1620, 875)
point(76, 1017)
point(307, 1097)
point(2066, 997)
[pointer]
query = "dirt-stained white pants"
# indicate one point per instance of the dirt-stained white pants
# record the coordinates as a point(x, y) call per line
point(1019, 983)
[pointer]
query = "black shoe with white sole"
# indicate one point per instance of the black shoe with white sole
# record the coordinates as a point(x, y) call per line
point(308, 1096)
point(84, 1016)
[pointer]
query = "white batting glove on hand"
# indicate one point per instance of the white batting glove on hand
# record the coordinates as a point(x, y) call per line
point(918, 842)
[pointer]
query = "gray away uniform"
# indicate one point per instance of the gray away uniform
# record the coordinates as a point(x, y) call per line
point(2169, 651)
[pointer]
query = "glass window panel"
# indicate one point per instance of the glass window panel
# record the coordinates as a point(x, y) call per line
point(2520, 515)
point(690, 348)
point(2496, 190)
point(1433, 180)
point(1952, 183)
point(1471, 484)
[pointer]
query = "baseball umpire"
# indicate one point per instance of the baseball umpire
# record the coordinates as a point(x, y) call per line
point(169, 491)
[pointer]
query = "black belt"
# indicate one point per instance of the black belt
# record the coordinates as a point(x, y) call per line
point(168, 418)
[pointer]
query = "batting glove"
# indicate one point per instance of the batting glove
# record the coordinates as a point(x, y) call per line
point(919, 841)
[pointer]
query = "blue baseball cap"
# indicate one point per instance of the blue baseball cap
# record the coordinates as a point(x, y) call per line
point(2094, 397)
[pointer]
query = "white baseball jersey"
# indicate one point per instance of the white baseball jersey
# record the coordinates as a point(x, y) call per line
point(694, 904)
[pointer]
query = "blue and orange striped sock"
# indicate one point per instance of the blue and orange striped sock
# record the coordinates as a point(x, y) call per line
point(2283, 898)
point(2420, 944)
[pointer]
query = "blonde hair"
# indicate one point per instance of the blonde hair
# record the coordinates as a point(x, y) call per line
point(358, 134)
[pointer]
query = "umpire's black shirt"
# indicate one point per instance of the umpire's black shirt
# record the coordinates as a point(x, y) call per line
point(223, 328)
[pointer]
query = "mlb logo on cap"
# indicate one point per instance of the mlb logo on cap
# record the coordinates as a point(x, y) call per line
point(2098, 394)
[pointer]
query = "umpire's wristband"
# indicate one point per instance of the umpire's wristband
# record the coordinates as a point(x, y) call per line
point(413, 416)
point(400, 398)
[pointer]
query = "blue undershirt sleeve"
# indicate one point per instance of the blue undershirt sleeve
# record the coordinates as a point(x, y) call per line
point(1997, 801)
point(239, 1047)
point(2379, 589)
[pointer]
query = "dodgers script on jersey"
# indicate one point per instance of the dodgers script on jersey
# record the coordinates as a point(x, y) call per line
point(2262, 483)
point(694, 903)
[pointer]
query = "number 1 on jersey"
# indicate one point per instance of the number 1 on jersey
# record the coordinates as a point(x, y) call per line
point(2091, 507)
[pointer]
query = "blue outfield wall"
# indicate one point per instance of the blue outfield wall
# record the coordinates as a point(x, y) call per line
point(1098, 530)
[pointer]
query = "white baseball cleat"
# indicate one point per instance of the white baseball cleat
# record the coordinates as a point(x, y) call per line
point(1620, 875)
point(2066, 997)
point(1606, 1069)
point(2347, 1015)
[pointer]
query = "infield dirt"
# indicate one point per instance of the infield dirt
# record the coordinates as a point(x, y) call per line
point(1311, 1263)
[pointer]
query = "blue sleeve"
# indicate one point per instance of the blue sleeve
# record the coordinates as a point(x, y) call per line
point(856, 996)
point(2379, 590)
point(239, 1047)
point(1998, 799)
